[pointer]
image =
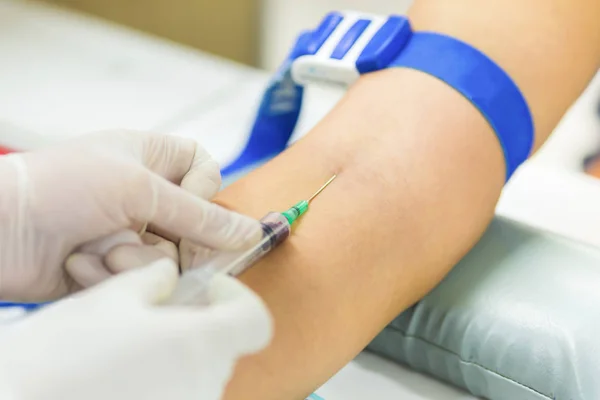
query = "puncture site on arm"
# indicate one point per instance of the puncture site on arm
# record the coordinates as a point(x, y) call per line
point(192, 288)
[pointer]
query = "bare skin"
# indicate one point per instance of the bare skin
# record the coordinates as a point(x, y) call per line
point(419, 174)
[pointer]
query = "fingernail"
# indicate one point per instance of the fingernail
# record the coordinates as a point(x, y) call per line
point(255, 233)
point(245, 231)
point(228, 229)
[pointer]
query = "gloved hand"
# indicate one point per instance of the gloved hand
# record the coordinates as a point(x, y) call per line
point(114, 341)
point(100, 190)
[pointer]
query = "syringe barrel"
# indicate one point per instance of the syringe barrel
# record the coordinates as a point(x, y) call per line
point(275, 227)
point(193, 286)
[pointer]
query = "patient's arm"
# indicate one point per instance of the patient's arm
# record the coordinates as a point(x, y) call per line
point(419, 173)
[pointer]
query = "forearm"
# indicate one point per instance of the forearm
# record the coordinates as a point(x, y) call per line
point(420, 172)
point(407, 204)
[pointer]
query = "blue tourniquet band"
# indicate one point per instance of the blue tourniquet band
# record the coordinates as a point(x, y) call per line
point(482, 82)
point(24, 306)
point(459, 65)
point(277, 115)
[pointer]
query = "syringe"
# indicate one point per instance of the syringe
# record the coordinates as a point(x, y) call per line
point(193, 286)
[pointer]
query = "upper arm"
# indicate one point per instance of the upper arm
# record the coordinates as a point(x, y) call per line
point(551, 48)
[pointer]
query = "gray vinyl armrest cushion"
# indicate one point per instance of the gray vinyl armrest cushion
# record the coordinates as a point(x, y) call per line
point(517, 319)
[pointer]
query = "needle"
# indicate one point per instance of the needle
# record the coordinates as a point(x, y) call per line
point(322, 188)
point(302, 206)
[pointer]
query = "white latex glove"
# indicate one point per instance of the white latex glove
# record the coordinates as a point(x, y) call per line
point(115, 342)
point(99, 191)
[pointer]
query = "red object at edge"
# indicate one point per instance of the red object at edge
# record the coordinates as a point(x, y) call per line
point(4, 150)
